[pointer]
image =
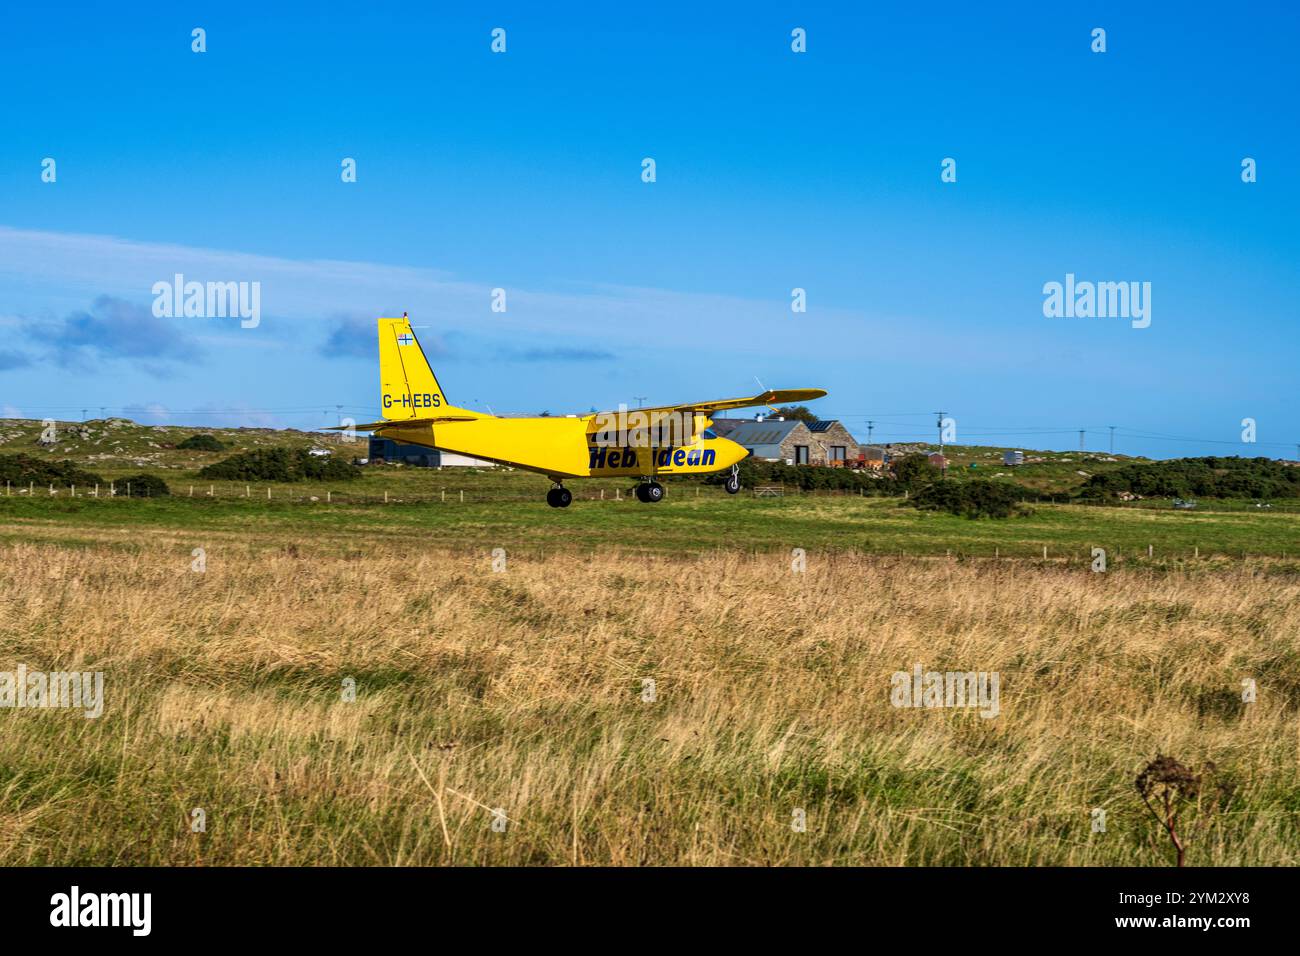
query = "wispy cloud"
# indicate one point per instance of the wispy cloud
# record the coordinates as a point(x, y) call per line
point(11, 360)
point(356, 337)
point(115, 329)
point(54, 267)
point(353, 336)
point(553, 355)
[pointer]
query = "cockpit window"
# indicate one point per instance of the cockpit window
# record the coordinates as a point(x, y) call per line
point(710, 433)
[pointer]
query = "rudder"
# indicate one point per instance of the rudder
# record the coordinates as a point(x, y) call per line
point(407, 386)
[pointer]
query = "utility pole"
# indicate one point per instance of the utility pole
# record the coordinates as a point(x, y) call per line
point(1081, 431)
point(640, 400)
point(871, 427)
point(1112, 438)
point(943, 470)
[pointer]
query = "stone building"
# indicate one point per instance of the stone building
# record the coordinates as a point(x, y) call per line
point(796, 442)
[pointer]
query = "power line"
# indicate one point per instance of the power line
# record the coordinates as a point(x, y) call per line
point(873, 421)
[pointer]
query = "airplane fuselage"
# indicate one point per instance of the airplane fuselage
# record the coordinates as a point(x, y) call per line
point(566, 448)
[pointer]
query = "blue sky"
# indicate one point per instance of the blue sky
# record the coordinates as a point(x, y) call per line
point(775, 170)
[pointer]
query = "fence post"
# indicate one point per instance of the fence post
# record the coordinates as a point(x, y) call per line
point(462, 496)
point(385, 496)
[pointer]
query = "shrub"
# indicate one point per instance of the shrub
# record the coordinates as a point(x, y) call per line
point(142, 486)
point(973, 498)
point(202, 443)
point(24, 469)
point(281, 464)
point(915, 471)
point(808, 478)
point(1207, 477)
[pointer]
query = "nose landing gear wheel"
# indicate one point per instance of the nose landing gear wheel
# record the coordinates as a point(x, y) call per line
point(732, 484)
point(559, 497)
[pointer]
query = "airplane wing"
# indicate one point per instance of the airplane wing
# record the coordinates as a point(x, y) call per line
point(771, 397)
point(673, 425)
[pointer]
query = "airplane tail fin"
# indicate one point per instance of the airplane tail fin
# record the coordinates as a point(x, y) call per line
point(408, 388)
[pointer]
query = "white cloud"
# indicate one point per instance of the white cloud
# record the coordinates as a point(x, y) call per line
point(62, 271)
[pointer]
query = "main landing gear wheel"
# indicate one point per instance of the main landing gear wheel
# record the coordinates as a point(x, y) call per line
point(651, 492)
point(559, 497)
point(732, 484)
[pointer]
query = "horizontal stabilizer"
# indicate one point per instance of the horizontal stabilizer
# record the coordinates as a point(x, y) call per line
point(403, 423)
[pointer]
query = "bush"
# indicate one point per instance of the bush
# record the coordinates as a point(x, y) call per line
point(1208, 477)
point(281, 464)
point(142, 486)
point(24, 469)
point(972, 498)
point(915, 471)
point(808, 478)
point(202, 443)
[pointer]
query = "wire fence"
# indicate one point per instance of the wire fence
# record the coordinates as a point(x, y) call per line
point(309, 493)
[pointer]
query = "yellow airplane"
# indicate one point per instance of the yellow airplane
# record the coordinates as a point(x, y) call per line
point(645, 443)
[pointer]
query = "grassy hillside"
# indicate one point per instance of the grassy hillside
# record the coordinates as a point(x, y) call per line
point(114, 446)
point(117, 447)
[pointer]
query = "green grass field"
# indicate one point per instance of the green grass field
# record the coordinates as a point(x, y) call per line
point(693, 519)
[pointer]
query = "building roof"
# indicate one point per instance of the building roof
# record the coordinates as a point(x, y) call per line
point(764, 438)
point(769, 432)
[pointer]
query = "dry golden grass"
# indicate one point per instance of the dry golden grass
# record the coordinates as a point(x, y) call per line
point(522, 691)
